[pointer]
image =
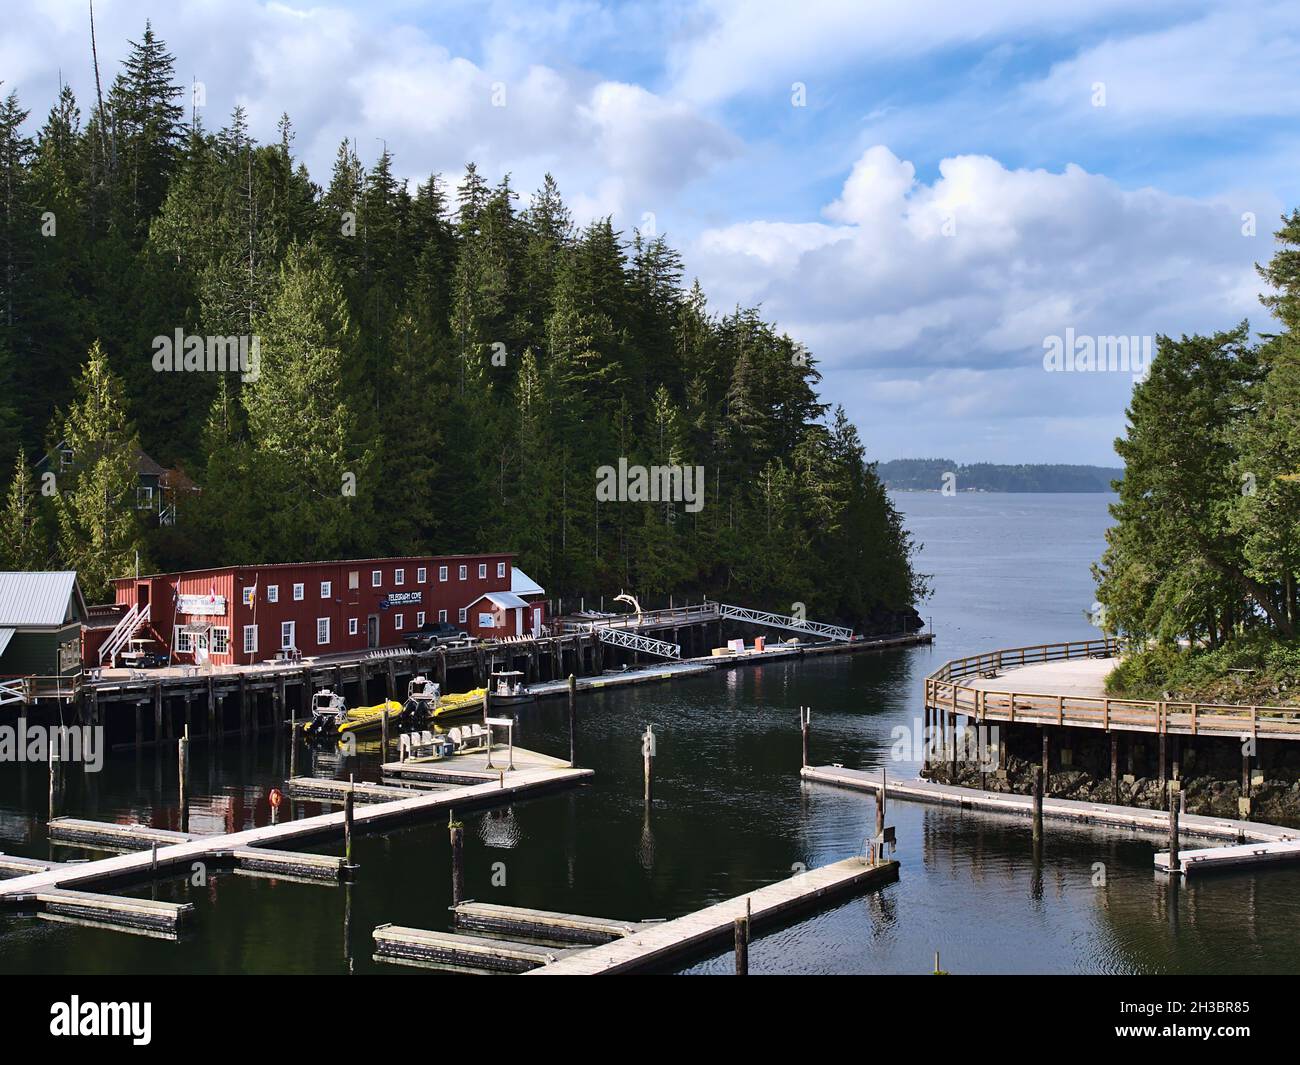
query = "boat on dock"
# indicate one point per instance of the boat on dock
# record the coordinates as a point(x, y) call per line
point(331, 716)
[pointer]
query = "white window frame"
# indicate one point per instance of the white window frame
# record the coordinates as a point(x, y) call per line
point(398, 621)
point(272, 593)
point(322, 640)
point(219, 644)
point(501, 569)
point(250, 639)
point(419, 619)
point(299, 592)
point(442, 615)
point(399, 575)
point(326, 589)
point(462, 615)
point(421, 574)
point(352, 626)
point(462, 574)
point(376, 578)
point(184, 642)
point(442, 573)
point(482, 571)
point(288, 635)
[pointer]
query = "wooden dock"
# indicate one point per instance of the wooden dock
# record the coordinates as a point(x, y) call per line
point(1253, 842)
point(110, 911)
point(541, 924)
point(455, 950)
point(253, 850)
point(656, 945)
point(1241, 856)
point(1093, 813)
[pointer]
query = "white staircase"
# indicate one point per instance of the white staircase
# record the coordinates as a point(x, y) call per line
point(132, 622)
point(784, 621)
point(636, 642)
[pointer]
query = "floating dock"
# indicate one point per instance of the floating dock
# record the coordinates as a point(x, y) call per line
point(541, 924)
point(656, 945)
point(1253, 842)
point(251, 850)
point(614, 946)
point(113, 911)
point(454, 950)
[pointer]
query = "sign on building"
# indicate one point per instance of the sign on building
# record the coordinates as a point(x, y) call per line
point(201, 604)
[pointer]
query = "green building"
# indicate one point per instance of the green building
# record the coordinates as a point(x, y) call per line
point(41, 615)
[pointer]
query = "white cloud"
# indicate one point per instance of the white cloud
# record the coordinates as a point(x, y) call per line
point(952, 321)
point(370, 75)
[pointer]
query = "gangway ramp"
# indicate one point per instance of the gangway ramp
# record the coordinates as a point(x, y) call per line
point(786, 622)
point(634, 641)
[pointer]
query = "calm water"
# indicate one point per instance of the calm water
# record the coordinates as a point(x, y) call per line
point(730, 815)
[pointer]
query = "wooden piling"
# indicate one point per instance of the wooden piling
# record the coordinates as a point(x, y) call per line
point(1175, 866)
point(1038, 803)
point(1047, 757)
point(648, 760)
point(457, 863)
point(1114, 767)
point(573, 720)
point(182, 772)
point(742, 945)
point(805, 717)
point(383, 735)
point(347, 824)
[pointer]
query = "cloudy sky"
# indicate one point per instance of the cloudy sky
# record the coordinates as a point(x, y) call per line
point(921, 191)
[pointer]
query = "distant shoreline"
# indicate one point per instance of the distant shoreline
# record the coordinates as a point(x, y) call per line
point(949, 477)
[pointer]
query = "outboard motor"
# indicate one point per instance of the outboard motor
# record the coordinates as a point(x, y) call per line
point(327, 713)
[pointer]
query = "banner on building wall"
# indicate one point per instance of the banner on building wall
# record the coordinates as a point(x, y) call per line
point(200, 604)
point(485, 621)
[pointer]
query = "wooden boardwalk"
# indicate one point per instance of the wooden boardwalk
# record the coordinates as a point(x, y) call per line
point(1062, 684)
point(655, 945)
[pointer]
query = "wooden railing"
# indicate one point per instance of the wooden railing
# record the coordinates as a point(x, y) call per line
point(946, 694)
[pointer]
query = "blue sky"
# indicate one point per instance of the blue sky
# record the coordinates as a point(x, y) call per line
point(963, 181)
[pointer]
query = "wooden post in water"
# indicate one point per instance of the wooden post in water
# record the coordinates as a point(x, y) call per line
point(1114, 767)
point(1047, 756)
point(54, 761)
point(182, 773)
point(805, 720)
point(573, 720)
point(487, 712)
point(1175, 866)
point(880, 810)
point(383, 735)
point(648, 762)
point(347, 823)
point(1038, 803)
point(741, 926)
point(457, 862)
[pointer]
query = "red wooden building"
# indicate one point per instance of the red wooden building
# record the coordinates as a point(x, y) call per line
point(243, 614)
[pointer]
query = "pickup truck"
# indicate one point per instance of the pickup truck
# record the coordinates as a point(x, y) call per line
point(432, 633)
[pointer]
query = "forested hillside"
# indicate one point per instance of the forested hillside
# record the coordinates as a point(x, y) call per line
point(439, 369)
point(933, 475)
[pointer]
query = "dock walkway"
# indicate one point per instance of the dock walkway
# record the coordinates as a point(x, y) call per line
point(1253, 842)
point(656, 945)
point(177, 855)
